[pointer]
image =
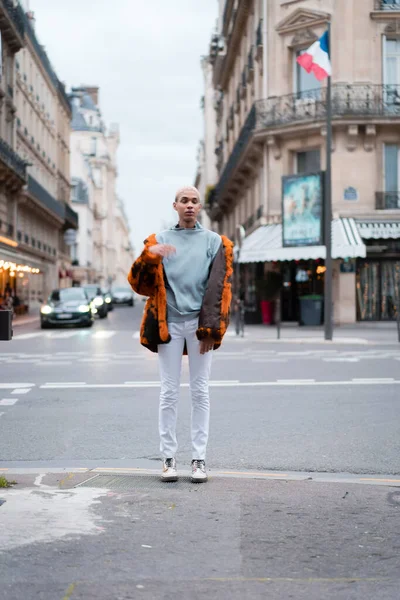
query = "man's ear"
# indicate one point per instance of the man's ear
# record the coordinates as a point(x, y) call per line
point(174, 206)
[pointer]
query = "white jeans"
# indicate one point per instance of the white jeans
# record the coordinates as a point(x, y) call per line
point(170, 362)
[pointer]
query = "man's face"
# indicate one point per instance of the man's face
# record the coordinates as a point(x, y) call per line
point(188, 206)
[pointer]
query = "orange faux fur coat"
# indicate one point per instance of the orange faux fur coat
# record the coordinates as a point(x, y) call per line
point(147, 278)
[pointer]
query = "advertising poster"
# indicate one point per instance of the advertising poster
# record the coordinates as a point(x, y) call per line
point(302, 201)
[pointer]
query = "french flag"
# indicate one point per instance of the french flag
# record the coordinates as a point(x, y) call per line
point(316, 58)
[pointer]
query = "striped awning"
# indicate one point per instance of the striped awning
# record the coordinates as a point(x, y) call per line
point(265, 244)
point(378, 230)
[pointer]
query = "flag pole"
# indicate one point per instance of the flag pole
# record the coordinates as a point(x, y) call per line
point(328, 305)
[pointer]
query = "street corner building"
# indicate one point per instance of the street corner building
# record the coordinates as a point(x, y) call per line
point(146, 277)
point(263, 155)
point(36, 218)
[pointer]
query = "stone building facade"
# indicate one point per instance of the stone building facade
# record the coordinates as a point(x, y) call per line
point(97, 253)
point(37, 210)
point(270, 118)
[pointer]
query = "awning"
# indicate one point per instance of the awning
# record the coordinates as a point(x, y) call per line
point(377, 230)
point(265, 244)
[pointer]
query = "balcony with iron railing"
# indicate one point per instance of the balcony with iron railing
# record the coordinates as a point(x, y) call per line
point(48, 201)
point(366, 102)
point(387, 5)
point(387, 200)
point(11, 159)
point(12, 23)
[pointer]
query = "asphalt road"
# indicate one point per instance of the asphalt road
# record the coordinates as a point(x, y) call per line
point(304, 496)
point(85, 397)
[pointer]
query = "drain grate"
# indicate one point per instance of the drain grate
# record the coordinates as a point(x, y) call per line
point(130, 483)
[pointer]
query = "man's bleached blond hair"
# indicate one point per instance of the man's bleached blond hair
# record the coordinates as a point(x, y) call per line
point(187, 188)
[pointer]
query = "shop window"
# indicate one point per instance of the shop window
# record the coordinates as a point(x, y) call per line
point(306, 85)
point(308, 161)
point(378, 290)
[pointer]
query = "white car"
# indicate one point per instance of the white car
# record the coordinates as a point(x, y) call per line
point(123, 295)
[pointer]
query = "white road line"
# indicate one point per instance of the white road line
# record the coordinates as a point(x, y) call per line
point(374, 380)
point(240, 384)
point(21, 391)
point(63, 335)
point(103, 334)
point(65, 383)
point(12, 386)
point(295, 381)
point(136, 335)
point(1, 414)
point(8, 401)
point(28, 336)
point(99, 359)
point(54, 363)
point(342, 359)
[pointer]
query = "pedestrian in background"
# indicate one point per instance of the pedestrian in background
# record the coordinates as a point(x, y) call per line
point(186, 272)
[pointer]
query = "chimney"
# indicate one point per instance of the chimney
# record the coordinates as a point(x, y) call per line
point(93, 92)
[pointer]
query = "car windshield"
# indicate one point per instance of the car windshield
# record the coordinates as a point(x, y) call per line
point(125, 290)
point(92, 290)
point(68, 294)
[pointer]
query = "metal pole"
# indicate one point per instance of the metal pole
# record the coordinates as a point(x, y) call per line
point(328, 208)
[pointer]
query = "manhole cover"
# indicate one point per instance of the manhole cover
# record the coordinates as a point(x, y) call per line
point(130, 483)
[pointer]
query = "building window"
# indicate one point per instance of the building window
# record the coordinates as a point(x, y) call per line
point(93, 146)
point(308, 161)
point(391, 167)
point(391, 71)
point(306, 84)
point(1, 57)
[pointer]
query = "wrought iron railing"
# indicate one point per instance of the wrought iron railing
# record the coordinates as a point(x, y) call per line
point(361, 100)
point(6, 228)
point(11, 159)
point(40, 51)
point(71, 217)
point(387, 200)
point(387, 5)
point(244, 137)
point(357, 100)
point(16, 15)
point(41, 194)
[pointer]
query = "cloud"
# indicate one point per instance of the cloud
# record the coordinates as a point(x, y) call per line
point(145, 56)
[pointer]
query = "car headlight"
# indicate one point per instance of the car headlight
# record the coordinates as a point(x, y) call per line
point(84, 308)
point(98, 301)
point(108, 300)
point(46, 310)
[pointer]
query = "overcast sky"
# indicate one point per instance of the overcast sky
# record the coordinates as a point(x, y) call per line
point(145, 57)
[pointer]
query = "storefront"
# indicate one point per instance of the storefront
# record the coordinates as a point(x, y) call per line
point(301, 270)
point(21, 281)
point(378, 281)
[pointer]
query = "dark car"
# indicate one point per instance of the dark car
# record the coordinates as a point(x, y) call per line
point(123, 295)
point(69, 306)
point(97, 299)
point(107, 295)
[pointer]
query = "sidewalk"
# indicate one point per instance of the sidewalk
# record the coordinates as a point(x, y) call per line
point(359, 333)
point(130, 536)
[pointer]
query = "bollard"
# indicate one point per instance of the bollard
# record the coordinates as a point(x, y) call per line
point(6, 331)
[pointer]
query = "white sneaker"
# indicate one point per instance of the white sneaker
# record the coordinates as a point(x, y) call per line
point(169, 470)
point(199, 474)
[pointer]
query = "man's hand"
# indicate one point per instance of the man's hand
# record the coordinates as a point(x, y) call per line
point(164, 250)
point(206, 345)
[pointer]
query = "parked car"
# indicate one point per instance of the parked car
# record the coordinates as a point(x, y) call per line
point(68, 306)
point(97, 299)
point(107, 295)
point(123, 295)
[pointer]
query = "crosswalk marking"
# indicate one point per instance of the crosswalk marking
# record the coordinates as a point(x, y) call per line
point(104, 334)
point(8, 401)
point(21, 391)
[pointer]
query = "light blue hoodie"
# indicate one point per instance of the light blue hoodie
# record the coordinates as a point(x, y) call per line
point(188, 270)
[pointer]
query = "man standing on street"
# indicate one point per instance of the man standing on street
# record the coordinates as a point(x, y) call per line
point(186, 272)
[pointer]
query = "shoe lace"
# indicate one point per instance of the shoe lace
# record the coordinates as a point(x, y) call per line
point(198, 464)
point(169, 462)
